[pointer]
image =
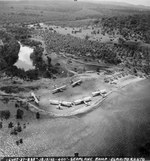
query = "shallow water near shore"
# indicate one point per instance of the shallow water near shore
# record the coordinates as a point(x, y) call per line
point(120, 126)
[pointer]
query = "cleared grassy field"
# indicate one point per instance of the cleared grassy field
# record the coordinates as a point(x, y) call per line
point(41, 11)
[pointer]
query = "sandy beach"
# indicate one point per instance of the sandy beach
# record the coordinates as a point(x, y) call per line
point(52, 110)
point(117, 126)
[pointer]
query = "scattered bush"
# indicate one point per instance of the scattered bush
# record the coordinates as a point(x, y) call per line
point(1, 125)
point(13, 132)
point(24, 126)
point(17, 105)
point(19, 114)
point(12, 89)
point(21, 141)
point(5, 114)
point(19, 129)
point(37, 115)
point(17, 142)
point(10, 125)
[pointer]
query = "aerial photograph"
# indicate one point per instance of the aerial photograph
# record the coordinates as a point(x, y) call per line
point(75, 78)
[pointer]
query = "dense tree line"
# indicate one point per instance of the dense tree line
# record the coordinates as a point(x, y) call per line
point(8, 51)
point(134, 26)
point(134, 56)
point(19, 32)
point(9, 54)
point(44, 68)
point(79, 47)
point(31, 43)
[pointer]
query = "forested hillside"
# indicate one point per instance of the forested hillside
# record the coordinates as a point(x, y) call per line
point(9, 50)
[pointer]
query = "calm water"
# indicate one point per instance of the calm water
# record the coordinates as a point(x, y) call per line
point(118, 127)
point(121, 125)
point(24, 60)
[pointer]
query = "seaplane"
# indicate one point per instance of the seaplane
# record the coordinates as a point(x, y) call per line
point(85, 100)
point(99, 93)
point(36, 100)
point(76, 83)
point(59, 89)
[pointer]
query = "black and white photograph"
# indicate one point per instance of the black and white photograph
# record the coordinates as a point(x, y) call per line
point(75, 79)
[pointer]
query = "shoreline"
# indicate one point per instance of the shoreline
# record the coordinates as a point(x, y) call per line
point(84, 109)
